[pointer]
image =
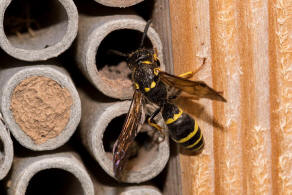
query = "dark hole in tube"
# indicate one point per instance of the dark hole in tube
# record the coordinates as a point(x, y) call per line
point(141, 152)
point(125, 41)
point(2, 152)
point(54, 181)
point(2, 188)
point(26, 23)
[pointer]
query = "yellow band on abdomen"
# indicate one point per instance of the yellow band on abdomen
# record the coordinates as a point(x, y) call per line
point(196, 142)
point(192, 134)
point(175, 117)
point(199, 148)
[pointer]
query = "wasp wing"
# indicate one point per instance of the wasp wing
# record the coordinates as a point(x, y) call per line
point(197, 89)
point(128, 134)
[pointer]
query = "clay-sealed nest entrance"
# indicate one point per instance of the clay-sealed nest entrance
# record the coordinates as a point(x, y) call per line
point(143, 150)
point(41, 107)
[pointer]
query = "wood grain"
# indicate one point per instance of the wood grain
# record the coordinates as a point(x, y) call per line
point(248, 45)
point(281, 92)
point(227, 70)
point(257, 134)
point(189, 49)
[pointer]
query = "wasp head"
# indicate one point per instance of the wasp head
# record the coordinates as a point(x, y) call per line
point(142, 56)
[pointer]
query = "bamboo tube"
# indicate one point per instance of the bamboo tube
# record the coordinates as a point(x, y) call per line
point(34, 175)
point(34, 35)
point(111, 80)
point(118, 3)
point(100, 125)
point(6, 153)
point(40, 105)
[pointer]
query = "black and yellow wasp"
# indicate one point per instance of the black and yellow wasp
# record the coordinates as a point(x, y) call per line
point(153, 84)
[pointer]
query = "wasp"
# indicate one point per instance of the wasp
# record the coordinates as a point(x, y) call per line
point(154, 85)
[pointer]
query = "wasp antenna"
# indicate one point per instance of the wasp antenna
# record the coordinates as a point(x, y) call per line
point(116, 52)
point(145, 32)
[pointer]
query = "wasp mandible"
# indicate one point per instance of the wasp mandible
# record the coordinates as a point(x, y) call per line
point(153, 84)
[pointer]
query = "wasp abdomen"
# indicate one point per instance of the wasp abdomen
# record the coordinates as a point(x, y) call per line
point(183, 129)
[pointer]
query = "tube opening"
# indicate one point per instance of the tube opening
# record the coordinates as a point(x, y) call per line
point(54, 181)
point(141, 152)
point(34, 24)
point(2, 188)
point(113, 66)
point(2, 152)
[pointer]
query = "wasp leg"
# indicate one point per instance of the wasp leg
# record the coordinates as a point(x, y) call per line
point(187, 75)
point(155, 55)
point(156, 126)
point(190, 74)
point(151, 119)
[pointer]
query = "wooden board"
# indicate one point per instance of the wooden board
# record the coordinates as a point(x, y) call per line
point(248, 46)
point(161, 22)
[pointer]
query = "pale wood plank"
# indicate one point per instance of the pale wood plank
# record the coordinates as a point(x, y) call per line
point(226, 76)
point(191, 43)
point(257, 143)
point(251, 56)
point(281, 93)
